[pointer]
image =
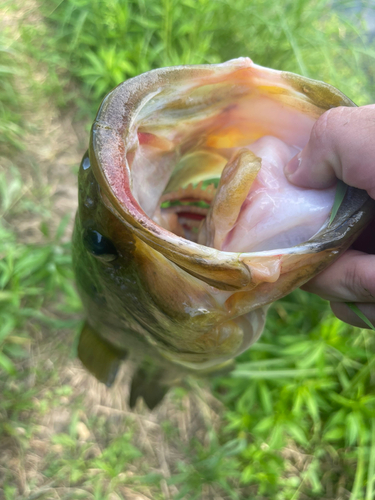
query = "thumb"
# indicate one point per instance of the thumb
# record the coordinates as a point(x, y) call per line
point(341, 146)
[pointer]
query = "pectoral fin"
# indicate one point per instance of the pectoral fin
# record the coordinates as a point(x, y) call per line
point(99, 357)
point(147, 383)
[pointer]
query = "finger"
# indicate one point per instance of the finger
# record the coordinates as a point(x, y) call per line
point(343, 312)
point(341, 146)
point(350, 279)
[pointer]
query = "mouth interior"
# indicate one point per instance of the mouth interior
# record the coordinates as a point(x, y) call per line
point(207, 164)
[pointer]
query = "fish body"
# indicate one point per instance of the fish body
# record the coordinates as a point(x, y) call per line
point(187, 229)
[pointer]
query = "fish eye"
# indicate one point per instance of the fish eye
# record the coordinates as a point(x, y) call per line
point(99, 246)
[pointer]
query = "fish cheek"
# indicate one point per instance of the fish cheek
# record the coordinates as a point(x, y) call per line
point(182, 299)
point(189, 318)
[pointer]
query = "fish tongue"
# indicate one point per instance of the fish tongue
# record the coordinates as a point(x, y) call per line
point(235, 183)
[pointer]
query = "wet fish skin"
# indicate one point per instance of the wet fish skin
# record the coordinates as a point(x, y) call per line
point(149, 293)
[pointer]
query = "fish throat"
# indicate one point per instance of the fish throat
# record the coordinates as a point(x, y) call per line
point(184, 211)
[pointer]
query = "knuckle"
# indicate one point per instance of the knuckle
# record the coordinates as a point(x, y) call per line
point(328, 122)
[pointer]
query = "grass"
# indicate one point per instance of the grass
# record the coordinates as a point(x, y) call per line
point(311, 384)
point(10, 129)
point(296, 418)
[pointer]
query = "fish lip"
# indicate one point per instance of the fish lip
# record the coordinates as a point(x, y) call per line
point(108, 150)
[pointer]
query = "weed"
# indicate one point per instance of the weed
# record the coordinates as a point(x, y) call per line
point(104, 46)
point(309, 382)
point(212, 466)
point(10, 118)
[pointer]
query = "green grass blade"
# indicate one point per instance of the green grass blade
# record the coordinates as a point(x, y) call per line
point(279, 374)
point(294, 45)
point(360, 314)
point(370, 493)
point(359, 473)
point(341, 189)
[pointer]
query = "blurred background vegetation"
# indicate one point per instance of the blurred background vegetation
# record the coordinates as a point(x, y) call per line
point(296, 418)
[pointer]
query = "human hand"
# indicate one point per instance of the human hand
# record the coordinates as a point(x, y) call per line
point(342, 145)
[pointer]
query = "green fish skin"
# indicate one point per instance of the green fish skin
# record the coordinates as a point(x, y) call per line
point(173, 271)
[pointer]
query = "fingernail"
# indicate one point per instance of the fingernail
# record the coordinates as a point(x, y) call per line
point(292, 166)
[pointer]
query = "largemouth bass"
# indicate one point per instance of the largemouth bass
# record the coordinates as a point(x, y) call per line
point(187, 229)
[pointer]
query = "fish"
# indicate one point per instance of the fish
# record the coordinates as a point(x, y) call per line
point(187, 229)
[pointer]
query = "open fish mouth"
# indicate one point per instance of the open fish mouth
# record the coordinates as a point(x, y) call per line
point(163, 156)
point(204, 229)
